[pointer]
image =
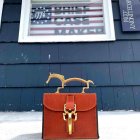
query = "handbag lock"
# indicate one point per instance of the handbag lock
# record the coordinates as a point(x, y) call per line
point(70, 116)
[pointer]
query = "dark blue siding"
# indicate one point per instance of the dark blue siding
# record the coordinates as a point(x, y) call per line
point(128, 74)
point(11, 99)
point(108, 98)
point(14, 14)
point(116, 74)
point(2, 76)
point(24, 68)
point(136, 90)
point(124, 98)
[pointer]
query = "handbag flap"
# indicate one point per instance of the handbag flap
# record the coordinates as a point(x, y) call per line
point(55, 101)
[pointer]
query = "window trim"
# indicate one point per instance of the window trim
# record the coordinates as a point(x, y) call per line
point(24, 26)
point(1, 9)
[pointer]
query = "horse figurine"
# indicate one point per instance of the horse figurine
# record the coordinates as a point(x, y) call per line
point(65, 81)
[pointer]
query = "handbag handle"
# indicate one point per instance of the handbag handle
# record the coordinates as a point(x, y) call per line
point(65, 81)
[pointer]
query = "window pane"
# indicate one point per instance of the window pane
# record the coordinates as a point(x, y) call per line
point(49, 17)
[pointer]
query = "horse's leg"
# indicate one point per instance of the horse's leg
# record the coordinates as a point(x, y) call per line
point(83, 90)
point(62, 86)
point(87, 87)
point(58, 89)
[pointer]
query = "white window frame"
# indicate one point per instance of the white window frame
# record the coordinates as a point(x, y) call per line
point(1, 8)
point(24, 27)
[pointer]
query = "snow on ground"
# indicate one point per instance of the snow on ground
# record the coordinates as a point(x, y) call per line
point(115, 125)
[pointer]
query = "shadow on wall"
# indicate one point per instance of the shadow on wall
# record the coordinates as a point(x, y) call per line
point(35, 136)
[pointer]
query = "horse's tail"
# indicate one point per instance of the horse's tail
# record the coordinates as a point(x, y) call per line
point(47, 81)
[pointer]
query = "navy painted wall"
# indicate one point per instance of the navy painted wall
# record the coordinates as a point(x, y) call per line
point(24, 68)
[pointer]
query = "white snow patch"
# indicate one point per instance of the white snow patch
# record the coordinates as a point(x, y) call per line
point(115, 125)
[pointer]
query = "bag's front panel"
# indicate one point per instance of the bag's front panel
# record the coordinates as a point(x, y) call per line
point(54, 125)
point(56, 128)
point(84, 127)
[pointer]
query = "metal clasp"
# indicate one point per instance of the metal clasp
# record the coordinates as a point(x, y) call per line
point(70, 115)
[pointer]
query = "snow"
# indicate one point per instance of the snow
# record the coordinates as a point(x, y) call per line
point(114, 125)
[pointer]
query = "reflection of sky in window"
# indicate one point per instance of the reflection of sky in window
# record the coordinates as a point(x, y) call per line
point(67, 18)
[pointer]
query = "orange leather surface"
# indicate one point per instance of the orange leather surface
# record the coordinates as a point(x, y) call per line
point(54, 127)
point(70, 102)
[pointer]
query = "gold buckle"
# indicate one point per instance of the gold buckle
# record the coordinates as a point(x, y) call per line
point(70, 115)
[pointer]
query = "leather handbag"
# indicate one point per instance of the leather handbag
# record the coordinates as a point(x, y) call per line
point(70, 115)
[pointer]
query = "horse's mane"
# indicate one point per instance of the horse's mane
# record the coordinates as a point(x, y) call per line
point(55, 74)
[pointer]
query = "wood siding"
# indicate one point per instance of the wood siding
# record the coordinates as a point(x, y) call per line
point(24, 68)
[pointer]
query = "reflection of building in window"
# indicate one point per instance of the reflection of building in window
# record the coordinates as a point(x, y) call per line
point(64, 21)
point(67, 18)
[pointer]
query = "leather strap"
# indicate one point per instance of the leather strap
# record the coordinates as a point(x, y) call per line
point(70, 102)
point(70, 107)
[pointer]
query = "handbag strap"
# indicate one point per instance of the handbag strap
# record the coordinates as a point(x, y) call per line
point(70, 114)
point(65, 81)
point(70, 102)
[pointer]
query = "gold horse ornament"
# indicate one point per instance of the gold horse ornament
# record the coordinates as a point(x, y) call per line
point(65, 81)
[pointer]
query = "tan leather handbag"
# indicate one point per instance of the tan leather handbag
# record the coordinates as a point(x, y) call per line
point(70, 115)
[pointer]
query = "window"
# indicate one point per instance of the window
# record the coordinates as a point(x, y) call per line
point(1, 7)
point(66, 21)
